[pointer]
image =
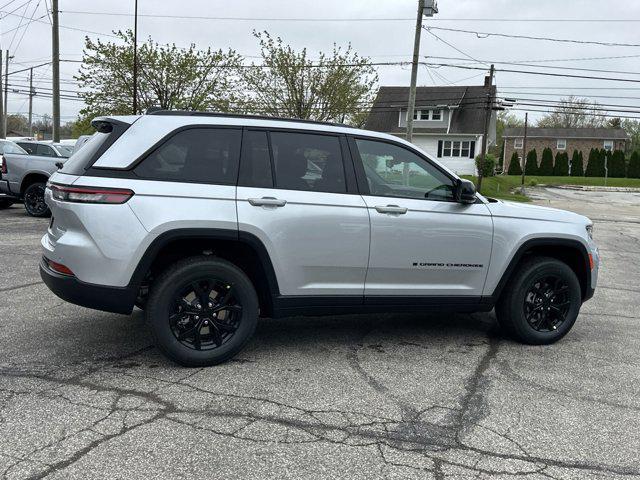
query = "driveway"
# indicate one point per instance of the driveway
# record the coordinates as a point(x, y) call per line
point(84, 394)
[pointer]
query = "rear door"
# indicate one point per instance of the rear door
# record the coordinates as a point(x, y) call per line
point(423, 243)
point(297, 194)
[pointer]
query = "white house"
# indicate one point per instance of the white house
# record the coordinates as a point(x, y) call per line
point(448, 121)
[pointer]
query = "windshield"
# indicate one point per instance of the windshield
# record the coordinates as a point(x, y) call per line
point(10, 147)
point(64, 150)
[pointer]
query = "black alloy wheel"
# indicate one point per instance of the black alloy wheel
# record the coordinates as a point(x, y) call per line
point(34, 202)
point(547, 303)
point(205, 314)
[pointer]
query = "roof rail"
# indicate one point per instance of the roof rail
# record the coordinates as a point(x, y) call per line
point(191, 113)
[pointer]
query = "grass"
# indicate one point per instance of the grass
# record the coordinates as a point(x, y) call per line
point(501, 186)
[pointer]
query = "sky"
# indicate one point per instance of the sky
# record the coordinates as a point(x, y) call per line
point(386, 40)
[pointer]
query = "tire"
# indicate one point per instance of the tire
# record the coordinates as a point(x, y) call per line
point(172, 310)
point(34, 201)
point(5, 203)
point(541, 302)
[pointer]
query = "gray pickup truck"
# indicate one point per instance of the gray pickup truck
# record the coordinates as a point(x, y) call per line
point(24, 177)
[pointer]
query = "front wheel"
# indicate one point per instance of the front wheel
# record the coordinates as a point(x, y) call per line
point(202, 311)
point(541, 302)
point(34, 202)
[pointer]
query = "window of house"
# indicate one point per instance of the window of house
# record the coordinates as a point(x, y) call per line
point(608, 145)
point(446, 149)
point(455, 148)
point(433, 115)
point(561, 144)
point(436, 115)
point(518, 143)
point(199, 155)
point(308, 162)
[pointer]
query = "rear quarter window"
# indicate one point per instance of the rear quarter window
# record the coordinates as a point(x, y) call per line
point(196, 155)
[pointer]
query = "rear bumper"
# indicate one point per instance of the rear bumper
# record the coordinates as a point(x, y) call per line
point(98, 297)
point(5, 191)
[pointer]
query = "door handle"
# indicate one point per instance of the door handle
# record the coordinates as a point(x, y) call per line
point(394, 209)
point(267, 202)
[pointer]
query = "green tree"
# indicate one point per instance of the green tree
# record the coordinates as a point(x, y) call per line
point(531, 165)
point(577, 164)
point(501, 157)
point(169, 77)
point(617, 165)
point(288, 83)
point(514, 165)
point(504, 119)
point(634, 165)
point(489, 166)
point(632, 128)
point(595, 164)
point(561, 166)
point(546, 165)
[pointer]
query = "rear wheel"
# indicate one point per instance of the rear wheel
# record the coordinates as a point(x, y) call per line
point(34, 202)
point(202, 311)
point(541, 302)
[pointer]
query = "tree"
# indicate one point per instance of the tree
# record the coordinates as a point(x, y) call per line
point(577, 164)
point(504, 120)
point(488, 166)
point(595, 165)
point(334, 87)
point(546, 165)
point(17, 123)
point(501, 157)
point(531, 165)
point(561, 166)
point(617, 165)
point(169, 77)
point(514, 165)
point(574, 112)
point(632, 128)
point(634, 165)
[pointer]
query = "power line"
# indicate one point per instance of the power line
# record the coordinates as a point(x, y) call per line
point(529, 37)
point(26, 26)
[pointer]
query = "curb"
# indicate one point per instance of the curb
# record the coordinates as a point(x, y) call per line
point(589, 188)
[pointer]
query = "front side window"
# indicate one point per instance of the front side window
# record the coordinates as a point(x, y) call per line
point(393, 171)
point(199, 155)
point(305, 161)
point(608, 145)
point(45, 150)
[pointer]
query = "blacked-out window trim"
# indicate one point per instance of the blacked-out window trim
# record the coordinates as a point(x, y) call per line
point(241, 182)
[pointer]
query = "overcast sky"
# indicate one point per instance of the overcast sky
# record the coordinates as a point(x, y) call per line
point(390, 40)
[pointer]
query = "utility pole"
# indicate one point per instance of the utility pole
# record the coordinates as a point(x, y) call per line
point(30, 101)
point(524, 147)
point(135, 60)
point(427, 8)
point(56, 70)
point(487, 120)
point(5, 112)
point(2, 125)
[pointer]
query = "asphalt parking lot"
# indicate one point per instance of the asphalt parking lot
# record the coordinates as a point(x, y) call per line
point(84, 394)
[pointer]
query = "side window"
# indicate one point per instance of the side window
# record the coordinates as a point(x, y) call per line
point(44, 150)
point(393, 171)
point(200, 155)
point(255, 162)
point(30, 148)
point(306, 161)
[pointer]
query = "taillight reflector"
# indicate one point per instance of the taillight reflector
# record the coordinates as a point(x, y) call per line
point(58, 267)
point(90, 194)
point(591, 264)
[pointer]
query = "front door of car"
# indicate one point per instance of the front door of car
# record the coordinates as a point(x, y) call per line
point(295, 194)
point(423, 243)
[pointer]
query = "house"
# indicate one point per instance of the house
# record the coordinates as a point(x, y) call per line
point(448, 121)
point(562, 140)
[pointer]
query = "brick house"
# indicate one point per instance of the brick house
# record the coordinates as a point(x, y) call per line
point(562, 140)
point(448, 123)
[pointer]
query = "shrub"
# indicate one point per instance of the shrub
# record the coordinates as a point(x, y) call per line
point(595, 166)
point(501, 157)
point(531, 166)
point(617, 165)
point(634, 165)
point(490, 163)
point(561, 167)
point(514, 165)
point(546, 165)
point(577, 164)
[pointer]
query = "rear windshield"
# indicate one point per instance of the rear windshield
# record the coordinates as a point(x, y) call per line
point(10, 147)
point(92, 149)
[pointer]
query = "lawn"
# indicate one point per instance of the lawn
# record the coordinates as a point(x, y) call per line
point(501, 186)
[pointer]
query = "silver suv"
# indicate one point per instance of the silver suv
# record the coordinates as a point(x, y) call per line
point(208, 221)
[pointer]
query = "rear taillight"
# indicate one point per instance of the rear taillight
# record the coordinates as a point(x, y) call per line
point(3, 164)
point(90, 194)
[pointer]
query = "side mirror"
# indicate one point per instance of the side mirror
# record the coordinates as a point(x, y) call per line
point(465, 192)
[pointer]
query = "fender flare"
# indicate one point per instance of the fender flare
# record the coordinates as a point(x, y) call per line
point(542, 242)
